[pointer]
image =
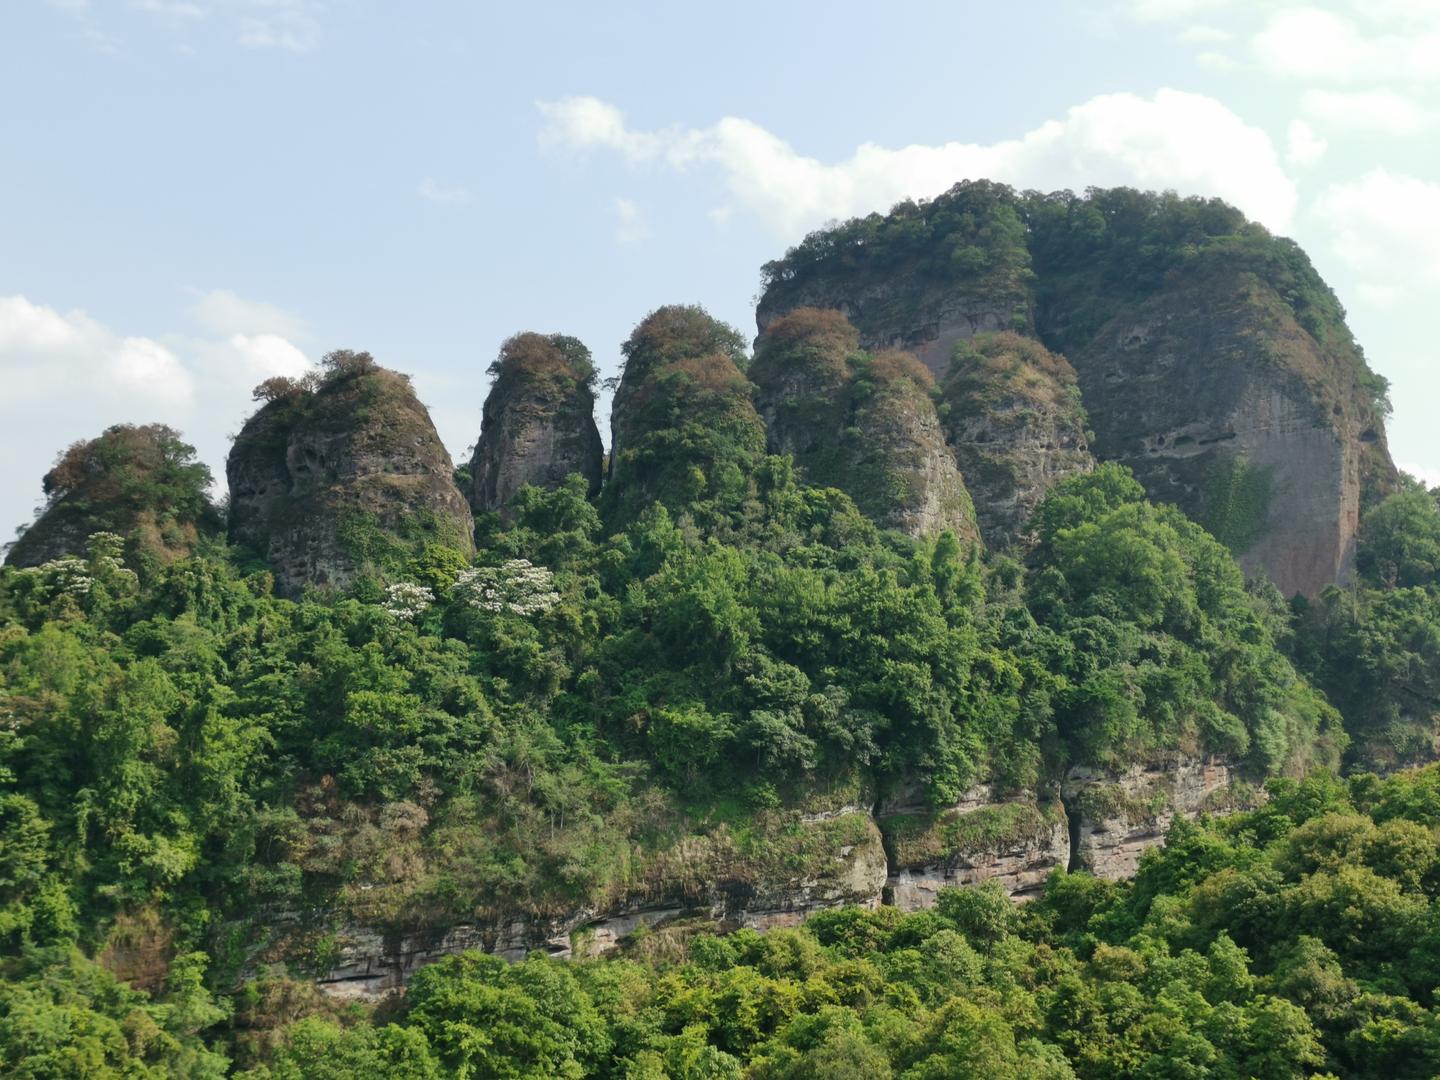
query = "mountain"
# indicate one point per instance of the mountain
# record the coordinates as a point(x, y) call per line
point(1211, 358)
point(861, 642)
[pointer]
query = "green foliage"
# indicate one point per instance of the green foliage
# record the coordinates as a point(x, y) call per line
point(697, 697)
point(1295, 941)
point(1236, 503)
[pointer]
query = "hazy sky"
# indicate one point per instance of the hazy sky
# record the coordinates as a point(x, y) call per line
point(195, 194)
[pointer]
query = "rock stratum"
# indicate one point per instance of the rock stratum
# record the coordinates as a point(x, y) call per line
point(896, 851)
point(331, 480)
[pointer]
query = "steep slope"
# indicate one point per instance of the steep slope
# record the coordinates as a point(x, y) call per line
point(342, 477)
point(1014, 421)
point(860, 422)
point(539, 421)
point(141, 483)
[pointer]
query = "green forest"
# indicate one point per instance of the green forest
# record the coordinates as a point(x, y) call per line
point(693, 678)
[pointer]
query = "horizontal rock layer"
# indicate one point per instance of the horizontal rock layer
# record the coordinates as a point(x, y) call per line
point(909, 852)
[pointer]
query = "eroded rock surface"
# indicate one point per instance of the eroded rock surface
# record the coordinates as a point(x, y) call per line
point(344, 477)
point(1116, 818)
point(1222, 403)
point(861, 422)
point(1016, 840)
point(368, 962)
point(1014, 421)
point(539, 421)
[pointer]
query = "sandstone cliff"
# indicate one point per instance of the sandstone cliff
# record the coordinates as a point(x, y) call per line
point(343, 477)
point(899, 851)
point(1210, 356)
point(539, 421)
point(1015, 423)
point(683, 429)
point(804, 859)
point(864, 423)
point(1223, 403)
point(141, 483)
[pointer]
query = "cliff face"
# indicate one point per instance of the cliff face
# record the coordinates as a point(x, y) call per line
point(860, 422)
point(1015, 423)
point(343, 479)
point(899, 852)
point(1016, 840)
point(683, 428)
point(1211, 358)
point(1221, 402)
point(141, 483)
point(811, 858)
point(1117, 817)
point(539, 421)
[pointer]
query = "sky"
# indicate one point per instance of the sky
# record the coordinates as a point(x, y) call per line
point(198, 194)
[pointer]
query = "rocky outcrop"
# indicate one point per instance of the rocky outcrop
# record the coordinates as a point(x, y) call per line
point(343, 476)
point(365, 962)
point(683, 428)
point(1116, 818)
point(1222, 403)
point(899, 851)
point(139, 482)
point(1211, 357)
point(864, 423)
point(1016, 840)
point(1014, 421)
point(539, 421)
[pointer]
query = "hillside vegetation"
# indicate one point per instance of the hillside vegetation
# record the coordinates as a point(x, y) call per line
point(714, 691)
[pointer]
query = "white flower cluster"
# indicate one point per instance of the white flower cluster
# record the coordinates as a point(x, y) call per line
point(406, 600)
point(518, 587)
point(67, 574)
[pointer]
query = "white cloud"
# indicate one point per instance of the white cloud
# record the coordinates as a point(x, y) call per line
point(1178, 140)
point(446, 195)
point(1303, 147)
point(288, 25)
point(1217, 61)
point(45, 353)
point(69, 376)
point(1383, 112)
point(630, 227)
point(221, 312)
point(1386, 228)
point(1315, 44)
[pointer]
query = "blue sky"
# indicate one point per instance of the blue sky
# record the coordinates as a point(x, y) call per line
point(195, 194)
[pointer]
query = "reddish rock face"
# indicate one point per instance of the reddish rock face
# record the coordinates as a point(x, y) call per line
point(1211, 358)
point(1223, 404)
point(539, 423)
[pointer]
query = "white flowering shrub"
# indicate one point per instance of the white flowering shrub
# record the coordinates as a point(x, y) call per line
point(77, 577)
point(407, 600)
point(66, 574)
point(518, 587)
